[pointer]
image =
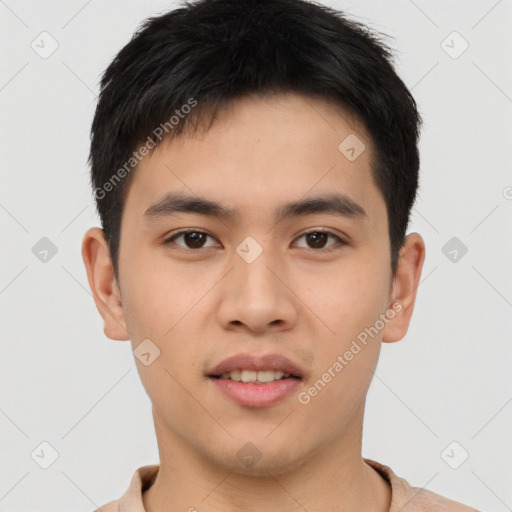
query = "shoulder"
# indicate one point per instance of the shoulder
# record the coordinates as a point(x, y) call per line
point(428, 501)
point(111, 506)
point(406, 498)
point(131, 500)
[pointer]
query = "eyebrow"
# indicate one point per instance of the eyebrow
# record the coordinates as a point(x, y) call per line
point(335, 204)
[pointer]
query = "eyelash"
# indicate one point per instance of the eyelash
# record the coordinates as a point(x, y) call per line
point(341, 242)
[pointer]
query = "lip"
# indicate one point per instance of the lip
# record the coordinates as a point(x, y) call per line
point(257, 395)
point(244, 361)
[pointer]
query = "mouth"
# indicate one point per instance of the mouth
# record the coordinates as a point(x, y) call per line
point(255, 393)
point(257, 380)
point(247, 367)
point(256, 377)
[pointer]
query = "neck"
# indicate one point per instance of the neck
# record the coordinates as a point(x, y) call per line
point(333, 478)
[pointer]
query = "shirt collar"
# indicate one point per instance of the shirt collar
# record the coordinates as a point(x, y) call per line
point(145, 476)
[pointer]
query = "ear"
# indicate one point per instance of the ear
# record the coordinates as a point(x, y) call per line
point(106, 293)
point(405, 286)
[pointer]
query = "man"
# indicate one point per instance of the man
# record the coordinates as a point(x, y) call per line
point(254, 165)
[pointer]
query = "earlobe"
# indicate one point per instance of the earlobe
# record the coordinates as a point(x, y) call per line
point(106, 293)
point(405, 286)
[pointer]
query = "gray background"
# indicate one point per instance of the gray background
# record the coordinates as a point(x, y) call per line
point(64, 382)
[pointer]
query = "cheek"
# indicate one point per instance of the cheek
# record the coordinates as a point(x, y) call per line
point(349, 305)
point(345, 360)
point(346, 298)
point(161, 304)
point(154, 294)
point(163, 313)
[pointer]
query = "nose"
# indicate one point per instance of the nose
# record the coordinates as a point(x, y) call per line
point(257, 296)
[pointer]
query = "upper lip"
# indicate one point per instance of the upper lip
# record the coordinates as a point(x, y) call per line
point(246, 361)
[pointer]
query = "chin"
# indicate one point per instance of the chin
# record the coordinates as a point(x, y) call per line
point(262, 459)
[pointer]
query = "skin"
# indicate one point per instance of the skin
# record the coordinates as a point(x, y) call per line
point(201, 305)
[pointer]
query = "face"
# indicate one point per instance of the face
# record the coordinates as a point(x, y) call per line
point(304, 285)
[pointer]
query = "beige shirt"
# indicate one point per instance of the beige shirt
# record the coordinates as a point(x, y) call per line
point(404, 498)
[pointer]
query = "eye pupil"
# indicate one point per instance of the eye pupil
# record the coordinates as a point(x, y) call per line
point(315, 235)
point(199, 237)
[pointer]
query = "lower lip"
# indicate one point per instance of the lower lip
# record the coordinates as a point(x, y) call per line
point(257, 395)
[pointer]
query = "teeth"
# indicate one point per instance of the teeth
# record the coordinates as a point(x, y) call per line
point(254, 376)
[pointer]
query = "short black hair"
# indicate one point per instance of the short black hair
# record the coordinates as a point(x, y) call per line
point(188, 63)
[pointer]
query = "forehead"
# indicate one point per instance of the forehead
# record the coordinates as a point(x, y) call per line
point(262, 151)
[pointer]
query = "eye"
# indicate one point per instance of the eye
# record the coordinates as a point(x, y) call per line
point(318, 239)
point(193, 239)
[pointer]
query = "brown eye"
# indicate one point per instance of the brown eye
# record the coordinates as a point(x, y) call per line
point(318, 239)
point(192, 239)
